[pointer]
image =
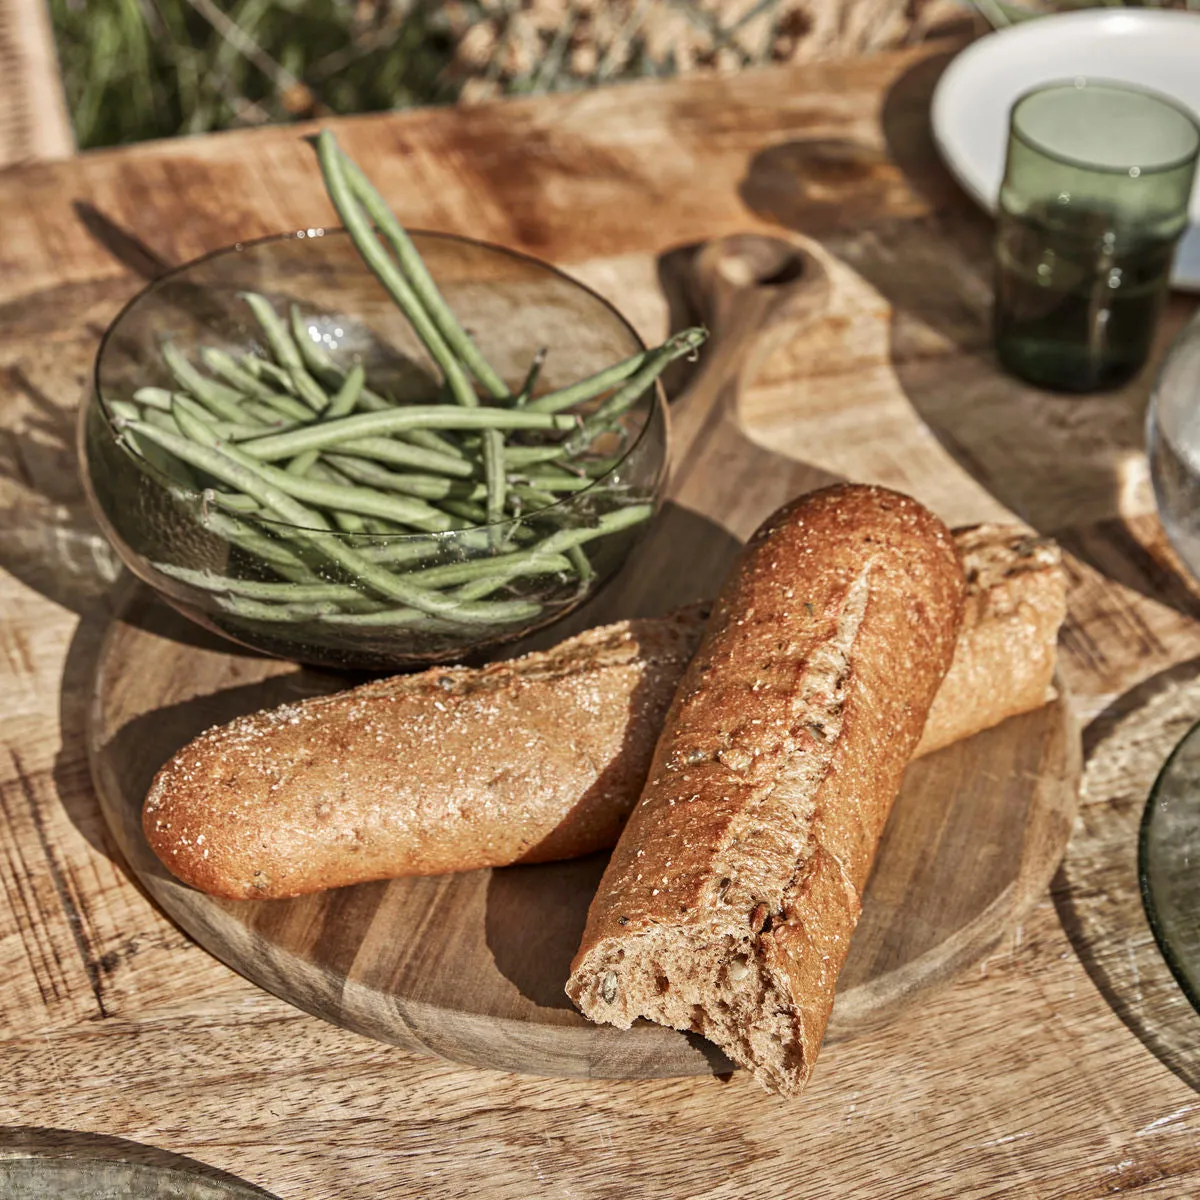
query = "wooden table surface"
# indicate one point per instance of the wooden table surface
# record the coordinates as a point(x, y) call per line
point(1019, 1079)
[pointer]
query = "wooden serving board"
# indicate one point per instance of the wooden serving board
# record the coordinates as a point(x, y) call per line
point(472, 966)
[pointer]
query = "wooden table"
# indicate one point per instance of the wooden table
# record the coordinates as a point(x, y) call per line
point(1019, 1079)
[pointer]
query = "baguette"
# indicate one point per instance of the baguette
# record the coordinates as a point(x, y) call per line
point(729, 901)
point(529, 761)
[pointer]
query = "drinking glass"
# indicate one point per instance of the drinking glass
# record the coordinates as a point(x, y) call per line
point(1094, 200)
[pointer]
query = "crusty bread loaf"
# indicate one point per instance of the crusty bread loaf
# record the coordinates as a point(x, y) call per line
point(729, 901)
point(448, 770)
point(531, 760)
point(1004, 660)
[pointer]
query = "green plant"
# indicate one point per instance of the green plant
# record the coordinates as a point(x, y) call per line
point(136, 69)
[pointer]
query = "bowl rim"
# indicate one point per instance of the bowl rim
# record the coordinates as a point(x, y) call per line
point(313, 233)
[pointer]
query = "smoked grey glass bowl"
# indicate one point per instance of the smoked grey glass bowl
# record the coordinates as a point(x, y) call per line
point(1173, 444)
point(171, 534)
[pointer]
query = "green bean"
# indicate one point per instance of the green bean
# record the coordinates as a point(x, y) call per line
point(535, 496)
point(611, 522)
point(222, 400)
point(519, 610)
point(322, 366)
point(377, 525)
point(339, 499)
point(264, 414)
point(497, 483)
point(425, 438)
point(285, 351)
point(256, 589)
point(430, 439)
point(428, 487)
point(259, 396)
point(417, 274)
point(480, 588)
point(283, 560)
point(370, 401)
point(347, 522)
point(226, 429)
point(314, 528)
point(347, 395)
point(406, 548)
point(196, 448)
point(523, 456)
point(521, 562)
point(154, 397)
point(589, 388)
point(404, 454)
point(329, 433)
point(302, 463)
point(262, 368)
point(154, 455)
point(339, 406)
point(624, 398)
point(554, 483)
point(578, 558)
point(503, 569)
point(233, 501)
point(256, 610)
point(535, 369)
point(318, 362)
point(394, 282)
point(473, 514)
point(313, 354)
point(124, 411)
point(223, 364)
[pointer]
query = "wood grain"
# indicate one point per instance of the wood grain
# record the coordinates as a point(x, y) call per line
point(1018, 1079)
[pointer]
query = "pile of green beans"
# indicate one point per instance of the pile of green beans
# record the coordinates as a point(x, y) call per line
point(315, 477)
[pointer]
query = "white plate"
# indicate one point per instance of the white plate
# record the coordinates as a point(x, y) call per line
point(1159, 50)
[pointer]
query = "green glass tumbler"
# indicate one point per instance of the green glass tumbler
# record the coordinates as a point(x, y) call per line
point(1094, 200)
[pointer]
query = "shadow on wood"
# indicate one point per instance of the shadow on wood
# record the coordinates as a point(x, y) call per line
point(1096, 890)
point(1055, 461)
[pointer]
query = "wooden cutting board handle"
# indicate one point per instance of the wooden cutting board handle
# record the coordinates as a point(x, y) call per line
point(755, 293)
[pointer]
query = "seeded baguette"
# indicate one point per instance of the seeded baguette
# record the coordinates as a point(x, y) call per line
point(532, 760)
point(729, 901)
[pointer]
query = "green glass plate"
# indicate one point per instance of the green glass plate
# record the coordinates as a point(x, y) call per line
point(1169, 862)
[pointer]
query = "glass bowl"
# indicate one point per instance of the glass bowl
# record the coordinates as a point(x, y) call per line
point(1173, 444)
point(359, 589)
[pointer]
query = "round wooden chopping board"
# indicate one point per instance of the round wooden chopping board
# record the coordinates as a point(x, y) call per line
point(472, 966)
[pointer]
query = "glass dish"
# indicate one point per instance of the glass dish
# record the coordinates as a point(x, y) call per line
point(229, 570)
point(1169, 863)
point(1173, 444)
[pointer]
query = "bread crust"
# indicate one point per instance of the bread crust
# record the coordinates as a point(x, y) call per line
point(772, 781)
point(526, 761)
point(1007, 648)
point(448, 770)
